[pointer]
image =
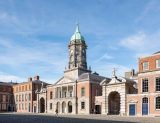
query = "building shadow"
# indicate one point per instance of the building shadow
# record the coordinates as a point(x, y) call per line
point(24, 118)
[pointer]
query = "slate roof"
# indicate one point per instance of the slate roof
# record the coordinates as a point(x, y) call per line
point(7, 83)
point(90, 76)
point(157, 52)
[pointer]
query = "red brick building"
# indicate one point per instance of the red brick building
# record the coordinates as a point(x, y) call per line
point(6, 97)
point(147, 101)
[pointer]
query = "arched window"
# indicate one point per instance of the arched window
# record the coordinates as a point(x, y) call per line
point(82, 91)
point(145, 100)
point(158, 102)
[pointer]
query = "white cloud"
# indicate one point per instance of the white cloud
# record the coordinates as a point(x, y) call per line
point(135, 42)
point(16, 54)
point(142, 43)
point(5, 77)
point(104, 57)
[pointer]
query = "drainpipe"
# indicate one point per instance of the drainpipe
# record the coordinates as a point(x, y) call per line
point(91, 100)
point(76, 97)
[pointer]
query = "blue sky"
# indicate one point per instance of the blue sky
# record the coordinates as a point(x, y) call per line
point(34, 35)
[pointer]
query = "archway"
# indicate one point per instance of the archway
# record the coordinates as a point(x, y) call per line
point(42, 105)
point(69, 107)
point(63, 107)
point(58, 107)
point(114, 103)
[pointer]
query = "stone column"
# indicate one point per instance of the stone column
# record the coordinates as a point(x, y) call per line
point(67, 95)
point(37, 102)
point(61, 92)
point(122, 104)
point(73, 91)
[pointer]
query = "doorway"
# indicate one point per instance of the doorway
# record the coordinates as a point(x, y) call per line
point(114, 103)
point(42, 105)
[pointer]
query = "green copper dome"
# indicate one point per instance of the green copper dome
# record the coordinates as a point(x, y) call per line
point(77, 35)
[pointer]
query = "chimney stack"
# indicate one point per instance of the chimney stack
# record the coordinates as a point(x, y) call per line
point(36, 77)
point(29, 79)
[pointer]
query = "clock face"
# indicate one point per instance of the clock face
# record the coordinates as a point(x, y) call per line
point(71, 55)
point(71, 58)
point(71, 52)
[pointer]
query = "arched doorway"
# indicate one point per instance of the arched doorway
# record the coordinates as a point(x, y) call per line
point(69, 107)
point(145, 106)
point(114, 103)
point(63, 107)
point(42, 105)
point(58, 107)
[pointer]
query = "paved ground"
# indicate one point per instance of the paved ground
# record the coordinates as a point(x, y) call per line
point(49, 118)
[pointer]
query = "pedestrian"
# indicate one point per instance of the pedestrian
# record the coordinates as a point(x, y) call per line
point(92, 111)
point(56, 112)
point(95, 112)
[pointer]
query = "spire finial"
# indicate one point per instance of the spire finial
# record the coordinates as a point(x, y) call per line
point(114, 72)
point(77, 28)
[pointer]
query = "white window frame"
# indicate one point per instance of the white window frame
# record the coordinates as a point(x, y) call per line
point(84, 105)
point(145, 66)
point(156, 83)
point(158, 63)
point(142, 84)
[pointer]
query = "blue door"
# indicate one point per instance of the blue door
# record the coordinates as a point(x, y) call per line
point(132, 111)
point(145, 109)
point(145, 106)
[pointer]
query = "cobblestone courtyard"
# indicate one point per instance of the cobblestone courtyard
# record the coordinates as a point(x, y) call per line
point(49, 118)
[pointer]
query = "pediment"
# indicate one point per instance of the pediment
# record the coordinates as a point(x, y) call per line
point(117, 80)
point(64, 80)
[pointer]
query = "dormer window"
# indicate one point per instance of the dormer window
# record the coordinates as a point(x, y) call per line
point(158, 63)
point(145, 65)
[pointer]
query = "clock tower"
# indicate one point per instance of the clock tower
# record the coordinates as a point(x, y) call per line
point(77, 51)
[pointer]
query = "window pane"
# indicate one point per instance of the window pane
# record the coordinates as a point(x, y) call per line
point(51, 95)
point(158, 63)
point(157, 84)
point(145, 85)
point(145, 100)
point(157, 102)
point(82, 105)
point(145, 66)
point(82, 91)
point(50, 105)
